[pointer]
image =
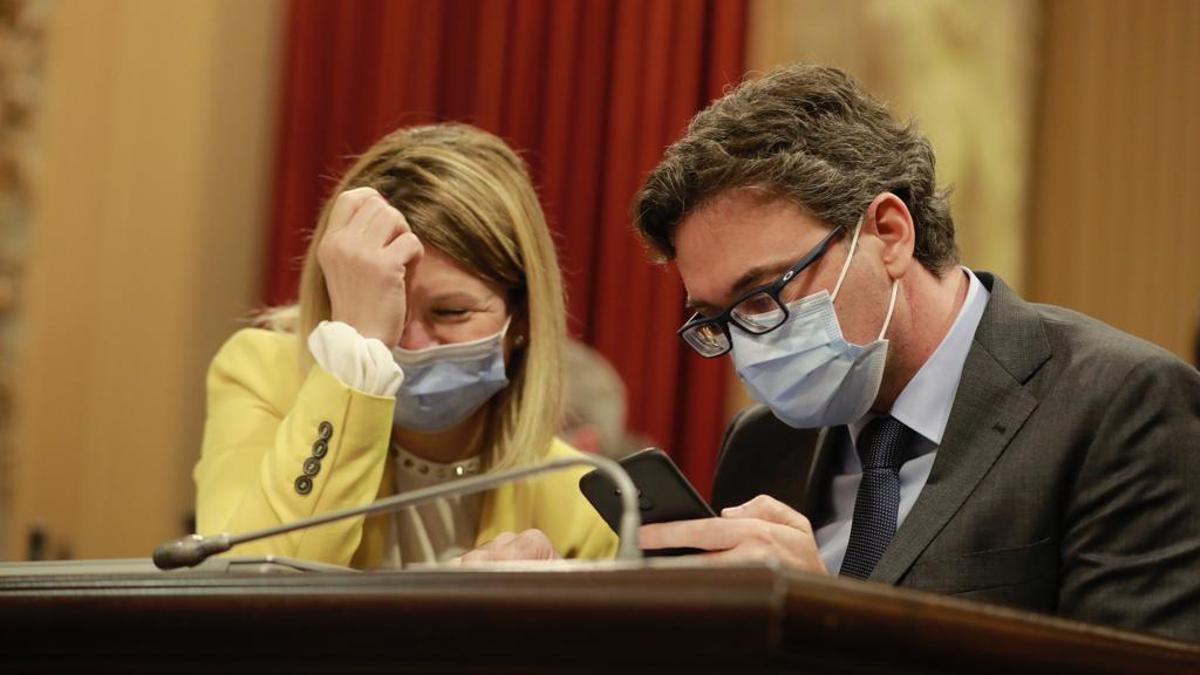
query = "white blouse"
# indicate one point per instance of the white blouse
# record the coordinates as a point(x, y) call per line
point(442, 529)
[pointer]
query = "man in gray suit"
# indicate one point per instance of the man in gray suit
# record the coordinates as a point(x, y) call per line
point(920, 424)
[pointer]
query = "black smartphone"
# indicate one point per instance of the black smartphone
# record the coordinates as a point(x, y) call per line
point(664, 494)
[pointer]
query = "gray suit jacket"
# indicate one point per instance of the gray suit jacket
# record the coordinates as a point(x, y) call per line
point(1067, 481)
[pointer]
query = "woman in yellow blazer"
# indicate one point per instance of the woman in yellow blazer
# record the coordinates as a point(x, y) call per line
point(427, 344)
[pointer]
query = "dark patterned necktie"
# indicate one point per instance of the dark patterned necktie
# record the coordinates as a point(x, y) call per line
point(881, 447)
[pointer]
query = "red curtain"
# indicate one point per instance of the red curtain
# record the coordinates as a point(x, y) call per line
point(589, 91)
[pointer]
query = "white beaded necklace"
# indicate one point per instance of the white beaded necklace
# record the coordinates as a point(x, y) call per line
point(425, 469)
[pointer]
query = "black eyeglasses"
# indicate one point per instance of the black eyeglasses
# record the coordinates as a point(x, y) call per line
point(757, 312)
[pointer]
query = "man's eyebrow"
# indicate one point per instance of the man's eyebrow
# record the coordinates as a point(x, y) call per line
point(744, 283)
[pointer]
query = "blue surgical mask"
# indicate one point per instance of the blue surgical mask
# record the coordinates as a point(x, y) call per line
point(805, 371)
point(443, 385)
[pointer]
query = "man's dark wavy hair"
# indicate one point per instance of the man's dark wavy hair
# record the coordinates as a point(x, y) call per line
point(810, 134)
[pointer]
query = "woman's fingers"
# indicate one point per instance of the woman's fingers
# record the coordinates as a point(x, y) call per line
point(405, 249)
point(385, 225)
point(528, 545)
point(361, 222)
point(364, 253)
point(346, 205)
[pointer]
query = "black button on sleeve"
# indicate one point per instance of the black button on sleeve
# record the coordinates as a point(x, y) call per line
point(312, 466)
point(304, 485)
point(325, 430)
point(320, 448)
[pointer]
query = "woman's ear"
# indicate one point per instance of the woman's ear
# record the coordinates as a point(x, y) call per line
point(889, 220)
point(515, 341)
point(518, 329)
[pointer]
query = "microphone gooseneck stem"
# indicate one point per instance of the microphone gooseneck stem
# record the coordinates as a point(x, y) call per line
point(194, 549)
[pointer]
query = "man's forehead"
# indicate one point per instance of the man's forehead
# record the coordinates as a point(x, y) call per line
point(739, 214)
point(717, 244)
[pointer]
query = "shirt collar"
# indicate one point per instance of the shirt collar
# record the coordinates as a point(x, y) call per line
point(924, 404)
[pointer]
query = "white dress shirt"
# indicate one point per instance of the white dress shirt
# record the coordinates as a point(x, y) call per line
point(923, 406)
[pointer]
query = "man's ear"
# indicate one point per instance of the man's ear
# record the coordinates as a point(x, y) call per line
point(889, 220)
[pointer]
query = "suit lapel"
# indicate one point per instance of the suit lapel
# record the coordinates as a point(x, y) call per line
point(989, 408)
point(817, 478)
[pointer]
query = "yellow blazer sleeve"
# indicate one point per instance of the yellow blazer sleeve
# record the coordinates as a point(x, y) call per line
point(279, 446)
point(553, 504)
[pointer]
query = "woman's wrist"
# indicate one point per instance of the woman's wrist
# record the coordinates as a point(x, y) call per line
point(361, 363)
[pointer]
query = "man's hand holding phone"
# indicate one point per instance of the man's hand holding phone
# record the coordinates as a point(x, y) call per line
point(762, 528)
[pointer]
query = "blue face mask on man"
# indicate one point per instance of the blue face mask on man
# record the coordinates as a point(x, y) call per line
point(445, 384)
point(805, 371)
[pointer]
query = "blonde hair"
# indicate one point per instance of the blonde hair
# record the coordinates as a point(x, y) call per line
point(466, 193)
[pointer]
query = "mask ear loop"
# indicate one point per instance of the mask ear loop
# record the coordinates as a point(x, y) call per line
point(887, 320)
point(846, 267)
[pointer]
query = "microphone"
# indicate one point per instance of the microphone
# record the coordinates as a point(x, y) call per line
point(194, 549)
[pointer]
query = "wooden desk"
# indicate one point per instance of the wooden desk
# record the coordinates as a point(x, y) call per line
point(657, 619)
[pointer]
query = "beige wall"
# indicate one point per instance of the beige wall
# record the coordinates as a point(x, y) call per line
point(146, 248)
point(1113, 233)
point(964, 69)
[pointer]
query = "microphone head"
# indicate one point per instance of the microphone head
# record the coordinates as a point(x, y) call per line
point(188, 551)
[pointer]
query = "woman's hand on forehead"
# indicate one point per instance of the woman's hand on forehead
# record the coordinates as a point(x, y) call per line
point(364, 254)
